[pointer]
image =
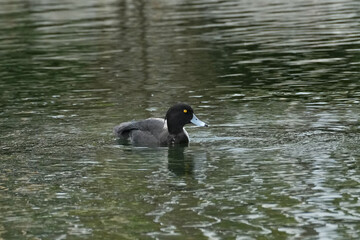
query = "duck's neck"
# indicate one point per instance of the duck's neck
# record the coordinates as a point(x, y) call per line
point(174, 128)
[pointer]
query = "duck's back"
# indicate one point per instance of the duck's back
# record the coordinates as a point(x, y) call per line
point(150, 131)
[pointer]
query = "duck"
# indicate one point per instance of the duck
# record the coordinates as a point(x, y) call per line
point(168, 131)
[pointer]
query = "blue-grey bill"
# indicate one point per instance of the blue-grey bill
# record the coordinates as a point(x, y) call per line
point(197, 122)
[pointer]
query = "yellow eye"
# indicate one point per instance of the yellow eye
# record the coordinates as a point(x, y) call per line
point(185, 111)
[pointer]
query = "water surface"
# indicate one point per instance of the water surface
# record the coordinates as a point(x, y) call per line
point(277, 82)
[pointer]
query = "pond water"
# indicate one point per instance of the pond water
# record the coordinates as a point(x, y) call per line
point(278, 82)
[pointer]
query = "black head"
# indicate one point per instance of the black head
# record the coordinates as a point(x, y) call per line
point(179, 115)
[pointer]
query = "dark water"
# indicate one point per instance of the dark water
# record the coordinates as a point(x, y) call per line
point(278, 81)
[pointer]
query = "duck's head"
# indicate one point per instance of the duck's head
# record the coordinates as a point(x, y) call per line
point(179, 115)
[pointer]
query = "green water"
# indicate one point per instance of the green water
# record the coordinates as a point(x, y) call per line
point(278, 82)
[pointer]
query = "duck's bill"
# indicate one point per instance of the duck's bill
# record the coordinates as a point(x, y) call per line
point(197, 122)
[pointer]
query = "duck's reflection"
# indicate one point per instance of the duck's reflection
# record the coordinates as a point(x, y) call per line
point(180, 162)
point(177, 163)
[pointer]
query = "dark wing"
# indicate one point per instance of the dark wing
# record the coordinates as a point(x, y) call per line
point(153, 126)
point(123, 130)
